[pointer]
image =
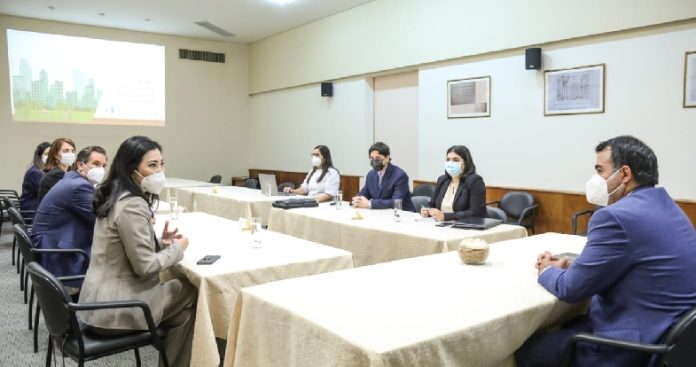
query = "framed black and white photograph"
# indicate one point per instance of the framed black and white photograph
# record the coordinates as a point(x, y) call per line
point(469, 97)
point(690, 79)
point(573, 91)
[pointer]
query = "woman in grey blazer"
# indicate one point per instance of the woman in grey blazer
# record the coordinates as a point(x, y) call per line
point(127, 258)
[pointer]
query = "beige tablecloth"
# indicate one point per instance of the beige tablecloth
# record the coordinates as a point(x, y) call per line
point(426, 311)
point(232, 202)
point(240, 265)
point(377, 238)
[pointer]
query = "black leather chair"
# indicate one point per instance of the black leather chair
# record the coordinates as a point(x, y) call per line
point(676, 349)
point(520, 208)
point(283, 185)
point(17, 218)
point(31, 254)
point(11, 195)
point(252, 183)
point(576, 215)
point(216, 179)
point(420, 201)
point(496, 213)
point(424, 189)
point(74, 337)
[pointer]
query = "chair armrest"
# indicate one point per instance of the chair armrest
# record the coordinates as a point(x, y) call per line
point(71, 277)
point(118, 304)
point(569, 353)
point(524, 213)
point(497, 203)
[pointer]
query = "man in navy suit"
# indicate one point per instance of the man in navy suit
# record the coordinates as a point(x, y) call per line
point(637, 266)
point(384, 184)
point(65, 218)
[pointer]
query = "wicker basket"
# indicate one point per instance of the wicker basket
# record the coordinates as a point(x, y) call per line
point(473, 251)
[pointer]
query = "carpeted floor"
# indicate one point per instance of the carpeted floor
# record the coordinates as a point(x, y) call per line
point(16, 340)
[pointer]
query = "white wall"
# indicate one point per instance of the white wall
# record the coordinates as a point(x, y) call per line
point(288, 124)
point(206, 108)
point(519, 147)
point(391, 34)
point(396, 117)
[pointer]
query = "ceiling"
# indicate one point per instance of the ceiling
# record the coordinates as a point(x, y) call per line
point(248, 20)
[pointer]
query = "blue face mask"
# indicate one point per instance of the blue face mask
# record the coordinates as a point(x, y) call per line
point(453, 168)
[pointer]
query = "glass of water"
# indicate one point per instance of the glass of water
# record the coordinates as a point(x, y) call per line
point(256, 232)
point(267, 190)
point(338, 198)
point(174, 207)
point(397, 210)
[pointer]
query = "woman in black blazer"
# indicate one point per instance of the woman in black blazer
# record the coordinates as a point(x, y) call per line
point(460, 192)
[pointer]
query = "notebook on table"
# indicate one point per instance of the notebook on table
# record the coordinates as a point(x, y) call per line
point(476, 223)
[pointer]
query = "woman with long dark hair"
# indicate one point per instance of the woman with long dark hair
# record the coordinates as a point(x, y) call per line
point(323, 179)
point(127, 258)
point(460, 192)
point(60, 157)
point(30, 186)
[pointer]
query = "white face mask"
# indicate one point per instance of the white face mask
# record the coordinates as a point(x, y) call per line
point(153, 183)
point(596, 190)
point(44, 158)
point(67, 158)
point(316, 161)
point(453, 168)
point(95, 175)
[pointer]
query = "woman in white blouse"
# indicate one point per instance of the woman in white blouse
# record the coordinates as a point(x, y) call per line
point(323, 179)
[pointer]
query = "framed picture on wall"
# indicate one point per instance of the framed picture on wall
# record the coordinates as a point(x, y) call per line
point(469, 97)
point(575, 90)
point(690, 79)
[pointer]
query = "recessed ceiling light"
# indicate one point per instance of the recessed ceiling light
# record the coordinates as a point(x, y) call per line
point(281, 2)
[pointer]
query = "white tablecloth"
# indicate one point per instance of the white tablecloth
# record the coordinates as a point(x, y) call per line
point(280, 257)
point(377, 237)
point(426, 311)
point(173, 183)
point(232, 202)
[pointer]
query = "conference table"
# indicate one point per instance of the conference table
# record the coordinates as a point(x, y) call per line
point(373, 236)
point(231, 202)
point(174, 183)
point(425, 311)
point(240, 265)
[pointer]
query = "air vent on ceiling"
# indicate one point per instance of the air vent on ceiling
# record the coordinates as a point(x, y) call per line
point(215, 29)
point(201, 55)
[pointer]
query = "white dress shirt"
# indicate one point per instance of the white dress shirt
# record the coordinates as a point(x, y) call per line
point(329, 184)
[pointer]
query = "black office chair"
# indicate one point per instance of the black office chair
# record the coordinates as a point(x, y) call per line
point(216, 179)
point(676, 349)
point(283, 185)
point(420, 202)
point(424, 189)
point(520, 208)
point(31, 254)
point(496, 213)
point(10, 194)
point(76, 338)
point(576, 215)
point(252, 183)
point(17, 218)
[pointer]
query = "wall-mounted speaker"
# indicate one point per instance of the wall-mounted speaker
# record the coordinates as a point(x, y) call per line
point(326, 89)
point(532, 59)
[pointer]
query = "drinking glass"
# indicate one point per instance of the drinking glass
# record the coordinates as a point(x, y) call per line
point(397, 210)
point(173, 207)
point(338, 198)
point(256, 232)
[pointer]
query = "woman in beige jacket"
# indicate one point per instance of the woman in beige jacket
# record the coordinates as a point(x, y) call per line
point(127, 258)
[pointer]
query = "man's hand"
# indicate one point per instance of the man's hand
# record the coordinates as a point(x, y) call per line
point(547, 259)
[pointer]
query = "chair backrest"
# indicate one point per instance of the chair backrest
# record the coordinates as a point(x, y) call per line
point(251, 183)
point(420, 201)
point(424, 189)
point(496, 213)
point(53, 299)
point(682, 338)
point(514, 202)
point(216, 179)
point(16, 216)
point(7, 202)
point(24, 243)
point(283, 185)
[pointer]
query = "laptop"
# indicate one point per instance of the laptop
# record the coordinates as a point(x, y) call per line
point(266, 180)
point(476, 223)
